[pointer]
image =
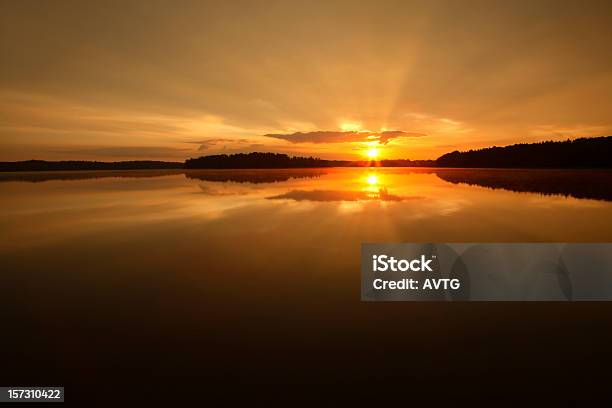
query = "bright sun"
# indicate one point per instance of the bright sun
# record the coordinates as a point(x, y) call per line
point(372, 153)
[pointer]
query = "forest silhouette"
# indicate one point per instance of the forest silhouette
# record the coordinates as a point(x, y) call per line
point(579, 153)
point(257, 160)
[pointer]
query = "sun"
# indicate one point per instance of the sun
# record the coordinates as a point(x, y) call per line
point(372, 153)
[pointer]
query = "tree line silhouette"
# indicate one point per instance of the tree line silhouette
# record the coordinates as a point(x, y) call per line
point(579, 153)
point(257, 160)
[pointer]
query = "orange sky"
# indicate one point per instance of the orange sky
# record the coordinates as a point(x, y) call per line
point(171, 80)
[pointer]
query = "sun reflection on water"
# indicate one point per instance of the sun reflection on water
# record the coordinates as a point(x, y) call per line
point(372, 179)
point(372, 186)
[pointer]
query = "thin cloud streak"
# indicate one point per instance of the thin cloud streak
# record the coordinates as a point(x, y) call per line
point(324, 136)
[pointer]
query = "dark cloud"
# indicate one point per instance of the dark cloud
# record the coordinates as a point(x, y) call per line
point(214, 143)
point(228, 146)
point(324, 136)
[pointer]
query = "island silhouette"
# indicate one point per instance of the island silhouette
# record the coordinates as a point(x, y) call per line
point(569, 154)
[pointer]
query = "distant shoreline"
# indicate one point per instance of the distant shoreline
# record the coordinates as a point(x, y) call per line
point(184, 170)
point(583, 153)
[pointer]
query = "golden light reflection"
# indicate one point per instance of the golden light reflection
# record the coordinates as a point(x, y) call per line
point(372, 179)
point(372, 186)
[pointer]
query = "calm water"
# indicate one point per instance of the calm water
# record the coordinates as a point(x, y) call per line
point(253, 276)
point(265, 211)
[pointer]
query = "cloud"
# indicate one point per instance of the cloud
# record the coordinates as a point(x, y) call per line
point(570, 131)
point(325, 136)
point(384, 137)
point(214, 143)
point(228, 145)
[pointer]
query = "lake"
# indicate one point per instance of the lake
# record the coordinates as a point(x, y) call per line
point(252, 276)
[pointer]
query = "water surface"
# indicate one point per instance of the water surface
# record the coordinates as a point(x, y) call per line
point(253, 276)
point(228, 208)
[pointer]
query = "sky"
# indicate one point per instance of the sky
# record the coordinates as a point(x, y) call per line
point(170, 80)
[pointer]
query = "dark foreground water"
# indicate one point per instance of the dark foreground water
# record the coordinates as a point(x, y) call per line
point(251, 279)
